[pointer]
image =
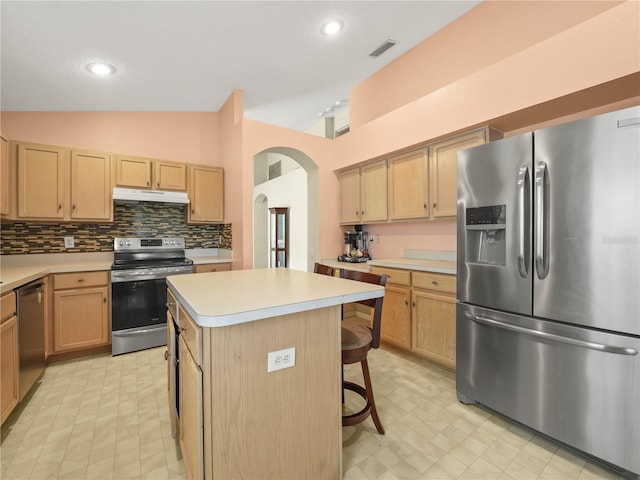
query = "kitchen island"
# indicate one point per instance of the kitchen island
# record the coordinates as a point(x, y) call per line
point(236, 419)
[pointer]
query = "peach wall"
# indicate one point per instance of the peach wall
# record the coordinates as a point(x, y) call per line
point(490, 32)
point(190, 137)
point(230, 117)
point(573, 60)
point(258, 137)
point(394, 238)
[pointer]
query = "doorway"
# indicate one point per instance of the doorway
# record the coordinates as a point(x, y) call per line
point(293, 184)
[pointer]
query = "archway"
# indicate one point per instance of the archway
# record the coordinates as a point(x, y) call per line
point(309, 238)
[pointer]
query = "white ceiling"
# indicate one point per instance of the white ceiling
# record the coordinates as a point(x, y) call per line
point(190, 55)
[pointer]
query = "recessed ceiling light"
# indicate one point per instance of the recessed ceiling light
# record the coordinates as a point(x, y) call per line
point(332, 27)
point(101, 69)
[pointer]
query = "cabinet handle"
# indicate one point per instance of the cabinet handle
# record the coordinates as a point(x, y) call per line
point(147, 183)
point(434, 283)
point(166, 355)
point(104, 300)
point(73, 207)
point(424, 205)
point(356, 213)
point(435, 205)
point(413, 304)
point(80, 280)
point(60, 207)
point(406, 303)
point(193, 210)
point(169, 304)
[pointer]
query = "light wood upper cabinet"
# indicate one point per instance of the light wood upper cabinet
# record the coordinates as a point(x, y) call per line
point(133, 172)
point(6, 187)
point(443, 162)
point(81, 311)
point(42, 181)
point(137, 172)
point(9, 386)
point(350, 196)
point(206, 194)
point(373, 192)
point(409, 186)
point(169, 175)
point(363, 194)
point(91, 191)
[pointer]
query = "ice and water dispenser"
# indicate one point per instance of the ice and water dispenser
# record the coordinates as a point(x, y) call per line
point(486, 239)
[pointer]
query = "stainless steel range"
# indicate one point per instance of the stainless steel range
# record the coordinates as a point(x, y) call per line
point(139, 290)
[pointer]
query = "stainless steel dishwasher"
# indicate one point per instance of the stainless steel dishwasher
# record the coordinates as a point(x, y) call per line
point(31, 311)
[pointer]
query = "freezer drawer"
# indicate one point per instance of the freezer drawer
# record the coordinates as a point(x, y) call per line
point(578, 386)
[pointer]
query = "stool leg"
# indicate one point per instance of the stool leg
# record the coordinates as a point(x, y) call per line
point(367, 385)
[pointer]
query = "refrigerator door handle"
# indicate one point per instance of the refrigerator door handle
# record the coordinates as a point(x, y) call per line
point(553, 337)
point(523, 235)
point(542, 215)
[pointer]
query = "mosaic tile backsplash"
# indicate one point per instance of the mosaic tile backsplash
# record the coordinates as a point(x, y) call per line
point(145, 219)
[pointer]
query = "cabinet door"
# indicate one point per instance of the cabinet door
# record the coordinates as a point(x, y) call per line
point(434, 326)
point(408, 186)
point(8, 367)
point(212, 267)
point(91, 192)
point(206, 194)
point(5, 179)
point(191, 413)
point(373, 193)
point(133, 172)
point(170, 176)
point(443, 160)
point(42, 171)
point(396, 316)
point(81, 318)
point(350, 197)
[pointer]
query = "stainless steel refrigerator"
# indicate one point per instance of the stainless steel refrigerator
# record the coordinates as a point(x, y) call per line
point(548, 314)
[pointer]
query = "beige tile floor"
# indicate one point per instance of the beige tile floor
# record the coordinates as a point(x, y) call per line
point(106, 418)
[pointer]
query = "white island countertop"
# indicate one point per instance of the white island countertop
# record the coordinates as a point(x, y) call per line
point(220, 299)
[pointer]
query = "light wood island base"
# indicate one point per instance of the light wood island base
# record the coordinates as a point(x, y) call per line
point(282, 424)
point(236, 419)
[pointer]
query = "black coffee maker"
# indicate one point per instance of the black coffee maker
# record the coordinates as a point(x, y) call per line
point(356, 246)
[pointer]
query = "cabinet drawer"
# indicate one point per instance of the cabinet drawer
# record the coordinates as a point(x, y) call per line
point(191, 333)
point(8, 305)
point(212, 267)
point(395, 276)
point(435, 281)
point(80, 280)
point(172, 305)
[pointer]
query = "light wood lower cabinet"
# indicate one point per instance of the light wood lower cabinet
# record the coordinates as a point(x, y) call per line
point(211, 267)
point(191, 412)
point(9, 386)
point(81, 311)
point(419, 313)
point(396, 316)
point(434, 326)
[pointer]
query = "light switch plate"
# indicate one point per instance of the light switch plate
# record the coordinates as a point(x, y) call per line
point(281, 359)
point(68, 242)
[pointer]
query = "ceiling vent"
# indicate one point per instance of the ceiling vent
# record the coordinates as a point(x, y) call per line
point(383, 48)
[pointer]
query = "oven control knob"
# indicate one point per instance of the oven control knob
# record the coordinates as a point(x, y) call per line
point(128, 243)
point(121, 243)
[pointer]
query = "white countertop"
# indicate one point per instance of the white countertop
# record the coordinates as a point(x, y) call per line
point(228, 298)
point(18, 270)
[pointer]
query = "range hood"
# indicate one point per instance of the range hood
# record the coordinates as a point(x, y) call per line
point(126, 195)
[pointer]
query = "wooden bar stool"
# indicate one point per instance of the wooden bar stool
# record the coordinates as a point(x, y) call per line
point(323, 269)
point(357, 340)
